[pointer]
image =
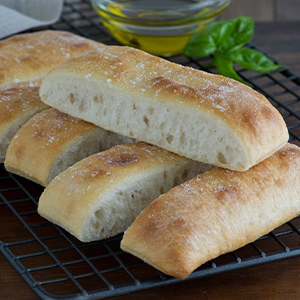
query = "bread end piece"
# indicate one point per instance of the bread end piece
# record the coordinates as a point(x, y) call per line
point(215, 213)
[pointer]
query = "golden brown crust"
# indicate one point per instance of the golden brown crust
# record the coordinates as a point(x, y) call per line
point(158, 77)
point(30, 56)
point(41, 140)
point(17, 101)
point(18, 104)
point(247, 113)
point(216, 212)
point(24, 60)
point(112, 182)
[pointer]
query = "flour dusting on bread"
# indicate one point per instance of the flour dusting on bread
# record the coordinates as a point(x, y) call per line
point(202, 116)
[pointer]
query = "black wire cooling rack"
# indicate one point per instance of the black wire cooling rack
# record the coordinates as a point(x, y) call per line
point(51, 260)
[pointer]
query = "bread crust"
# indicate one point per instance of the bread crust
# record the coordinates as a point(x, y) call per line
point(24, 60)
point(30, 56)
point(18, 104)
point(101, 195)
point(51, 141)
point(215, 213)
point(219, 120)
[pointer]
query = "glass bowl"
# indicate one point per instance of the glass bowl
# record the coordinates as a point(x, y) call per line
point(160, 27)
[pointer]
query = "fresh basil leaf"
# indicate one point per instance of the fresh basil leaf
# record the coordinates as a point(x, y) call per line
point(242, 33)
point(226, 39)
point(231, 34)
point(220, 31)
point(200, 45)
point(253, 60)
point(225, 67)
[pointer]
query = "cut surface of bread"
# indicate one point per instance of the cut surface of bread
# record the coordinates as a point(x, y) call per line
point(52, 141)
point(215, 213)
point(100, 196)
point(31, 56)
point(198, 115)
point(17, 105)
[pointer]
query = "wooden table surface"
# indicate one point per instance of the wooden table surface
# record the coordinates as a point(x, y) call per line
point(273, 281)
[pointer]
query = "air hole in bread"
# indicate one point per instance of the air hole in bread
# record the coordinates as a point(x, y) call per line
point(185, 175)
point(182, 138)
point(177, 181)
point(162, 190)
point(104, 112)
point(170, 138)
point(81, 106)
point(97, 219)
point(165, 175)
point(96, 99)
point(72, 99)
point(130, 134)
point(96, 225)
point(222, 158)
point(146, 120)
point(151, 110)
point(134, 107)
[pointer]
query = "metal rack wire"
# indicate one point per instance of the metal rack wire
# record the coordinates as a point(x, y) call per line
point(51, 260)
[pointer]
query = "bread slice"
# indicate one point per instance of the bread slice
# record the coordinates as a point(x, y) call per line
point(30, 56)
point(17, 105)
point(201, 116)
point(52, 141)
point(101, 195)
point(24, 60)
point(216, 212)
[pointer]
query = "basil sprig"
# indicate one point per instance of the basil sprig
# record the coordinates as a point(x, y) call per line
point(226, 39)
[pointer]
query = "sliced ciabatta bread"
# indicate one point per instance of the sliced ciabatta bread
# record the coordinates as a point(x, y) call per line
point(198, 115)
point(17, 105)
point(101, 195)
point(51, 141)
point(30, 56)
point(216, 212)
point(24, 60)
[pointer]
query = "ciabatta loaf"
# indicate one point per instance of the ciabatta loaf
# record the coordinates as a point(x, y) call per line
point(24, 60)
point(52, 141)
point(101, 195)
point(201, 116)
point(216, 212)
point(17, 105)
point(30, 56)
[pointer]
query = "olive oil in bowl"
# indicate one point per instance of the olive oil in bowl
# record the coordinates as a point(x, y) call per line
point(160, 27)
